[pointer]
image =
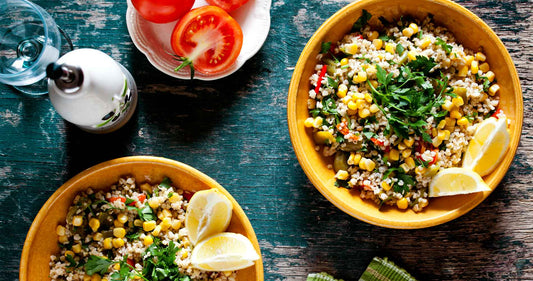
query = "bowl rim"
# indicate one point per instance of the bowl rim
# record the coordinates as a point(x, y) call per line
point(295, 136)
point(31, 235)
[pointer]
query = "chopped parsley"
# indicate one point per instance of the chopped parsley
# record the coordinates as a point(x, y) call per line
point(447, 48)
point(361, 21)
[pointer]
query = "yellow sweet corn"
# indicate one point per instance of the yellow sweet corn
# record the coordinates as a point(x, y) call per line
point(318, 122)
point(148, 240)
point(358, 96)
point(176, 197)
point(460, 91)
point(389, 47)
point(138, 222)
point(432, 170)
point(77, 220)
point(370, 165)
point(354, 158)
point(156, 231)
point(441, 124)
point(410, 162)
point(405, 167)
point(342, 175)
point(402, 203)
point(364, 112)
point(436, 142)
point(406, 153)
point(146, 187)
point(360, 77)
point(409, 141)
point(118, 242)
point(402, 146)
point(86, 277)
point(374, 83)
point(98, 236)
point(117, 223)
point(94, 224)
point(184, 254)
point(480, 56)
point(362, 163)
point(386, 186)
point(116, 266)
point(76, 248)
point(414, 27)
point(469, 60)
point(372, 35)
point(378, 43)
point(154, 203)
point(63, 239)
point(164, 214)
point(474, 67)
point(149, 225)
point(60, 230)
point(484, 67)
point(373, 108)
point(166, 223)
point(122, 217)
point(176, 224)
point(119, 232)
point(455, 114)
point(408, 32)
point(351, 49)
point(96, 277)
point(69, 253)
point(368, 98)
point(308, 123)
point(447, 105)
point(344, 61)
point(394, 155)
point(425, 42)
point(341, 91)
point(490, 75)
point(108, 243)
point(352, 105)
point(441, 135)
point(458, 101)
point(463, 71)
point(411, 55)
point(494, 89)
point(463, 121)
point(420, 170)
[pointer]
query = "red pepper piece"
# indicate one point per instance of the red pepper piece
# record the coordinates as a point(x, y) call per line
point(496, 113)
point(187, 195)
point(130, 263)
point(342, 127)
point(141, 198)
point(320, 77)
point(113, 199)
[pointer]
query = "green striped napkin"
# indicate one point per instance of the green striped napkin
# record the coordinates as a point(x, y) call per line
point(378, 270)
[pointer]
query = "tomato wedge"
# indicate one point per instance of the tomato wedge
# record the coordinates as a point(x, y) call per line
point(207, 39)
point(227, 5)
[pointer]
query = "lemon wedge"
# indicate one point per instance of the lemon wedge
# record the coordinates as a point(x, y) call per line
point(225, 251)
point(208, 213)
point(487, 147)
point(453, 181)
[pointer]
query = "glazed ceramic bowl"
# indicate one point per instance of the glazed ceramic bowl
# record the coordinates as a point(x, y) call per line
point(41, 241)
point(471, 32)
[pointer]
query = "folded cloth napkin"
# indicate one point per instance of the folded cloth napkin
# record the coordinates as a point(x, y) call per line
point(378, 270)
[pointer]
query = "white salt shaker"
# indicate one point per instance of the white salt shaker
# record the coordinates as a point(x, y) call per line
point(91, 90)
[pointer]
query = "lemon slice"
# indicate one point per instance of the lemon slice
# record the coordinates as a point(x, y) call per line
point(487, 147)
point(453, 181)
point(225, 251)
point(208, 213)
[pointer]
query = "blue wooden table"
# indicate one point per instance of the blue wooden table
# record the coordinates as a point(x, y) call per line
point(235, 130)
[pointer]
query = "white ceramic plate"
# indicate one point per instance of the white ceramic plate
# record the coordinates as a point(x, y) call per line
point(154, 39)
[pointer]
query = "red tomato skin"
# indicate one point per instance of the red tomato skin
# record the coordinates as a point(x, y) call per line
point(227, 5)
point(162, 11)
point(226, 27)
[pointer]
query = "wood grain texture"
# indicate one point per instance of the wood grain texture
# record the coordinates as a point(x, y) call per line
point(235, 131)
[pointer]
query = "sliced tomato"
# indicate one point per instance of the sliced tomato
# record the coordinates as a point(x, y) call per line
point(162, 11)
point(227, 5)
point(208, 39)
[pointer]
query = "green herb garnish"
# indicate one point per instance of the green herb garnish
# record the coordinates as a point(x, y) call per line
point(447, 48)
point(361, 21)
point(96, 264)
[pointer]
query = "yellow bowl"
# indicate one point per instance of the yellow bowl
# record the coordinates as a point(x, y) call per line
point(471, 32)
point(41, 241)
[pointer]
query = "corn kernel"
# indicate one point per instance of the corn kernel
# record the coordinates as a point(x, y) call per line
point(410, 162)
point(119, 232)
point(166, 223)
point(414, 27)
point(76, 248)
point(108, 243)
point(104, 279)
point(154, 203)
point(405, 167)
point(411, 55)
point(480, 56)
point(69, 253)
point(368, 98)
point(402, 203)
point(146, 187)
point(322, 137)
point(156, 231)
point(342, 175)
point(352, 105)
point(116, 266)
point(318, 122)
point(354, 158)
point(94, 224)
point(77, 220)
point(138, 222)
point(420, 170)
point(341, 91)
point(450, 122)
point(96, 277)
point(164, 214)
point(149, 225)
point(364, 112)
point(394, 155)
point(358, 96)
point(351, 49)
point(474, 67)
point(63, 239)
point(484, 67)
point(86, 277)
point(374, 83)
point(455, 114)
point(184, 254)
point(60, 230)
point(122, 217)
point(378, 43)
point(373, 35)
point(490, 75)
point(463, 121)
point(408, 32)
point(433, 131)
point(389, 47)
point(386, 186)
point(425, 42)
point(362, 163)
point(118, 242)
point(441, 124)
point(409, 141)
point(447, 105)
point(148, 240)
point(117, 223)
point(176, 197)
point(469, 60)
point(370, 165)
point(402, 146)
point(463, 71)
point(494, 89)
point(441, 134)
point(373, 108)
point(361, 77)
point(344, 61)
point(436, 142)
point(406, 153)
point(458, 101)
point(460, 91)
point(308, 123)
point(176, 224)
point(98, 236)
point(432, 170)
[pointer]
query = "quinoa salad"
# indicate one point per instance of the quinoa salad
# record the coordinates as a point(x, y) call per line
point(394, 103)
point(128, 232)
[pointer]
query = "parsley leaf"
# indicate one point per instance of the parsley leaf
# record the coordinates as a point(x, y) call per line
point(146, 213)
point(96, 264)
point(400, 49)
point(447, 48)
point(361, 21)
point(166, 183)
point(326, 46)
point(332, 83)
